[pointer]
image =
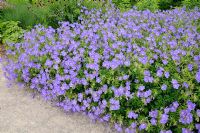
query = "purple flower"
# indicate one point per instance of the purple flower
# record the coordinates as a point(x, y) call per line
point(198, 112)
point(49, 63)
point(133, 115)
point(164, 62)
point(147, 73)
point(164, 87)
point(125, 77)
point(159, 73)
point(118, 127)
point(127, 63)
point(185, 117)
point(175, 104)
point(185, 130)
point(148, 79)
point(118, 92)
point(153, 113)
point(167, 74)
point(128, 130)
point(143, 60)
point(198, 76)
point(191, 106)
point(153, 121)
point(185, 85)
point(143, 126)
point(140, 94)
point(136, 81)
point(197, 126)
point(190, 67)
point(133, 125)
point(164, 118)
point(106, 117)
point(114, 104)
point(175, 84)
point(141, 88)
point(147, 93)
point(148, 100)
point(164, 131)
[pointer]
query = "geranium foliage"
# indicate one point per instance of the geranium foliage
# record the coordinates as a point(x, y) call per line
point(138, 70)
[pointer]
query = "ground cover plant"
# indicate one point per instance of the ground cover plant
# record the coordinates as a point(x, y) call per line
point(137, 70)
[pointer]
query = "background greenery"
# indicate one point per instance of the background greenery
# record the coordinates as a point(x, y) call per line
point(10, 32)
point(24, 14)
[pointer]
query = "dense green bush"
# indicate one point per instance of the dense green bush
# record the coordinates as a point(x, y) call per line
point(168, 4)
point(148, 4)
point(10, 32)
point(191, 3)
point(46, 12)
point(27, 14)
point(124, 4)
point(63, 11)
point(155, 4)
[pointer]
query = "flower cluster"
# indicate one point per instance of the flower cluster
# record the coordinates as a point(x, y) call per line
point(138, 70)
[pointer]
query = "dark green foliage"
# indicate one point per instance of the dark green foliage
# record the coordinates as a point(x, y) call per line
point(124, 4)
point(63, 11)
point(155, 4)
point(168, 4)
point(148, 4)
point(48, 13)
point(191, 3)
point(25, 13)
point(33, 72)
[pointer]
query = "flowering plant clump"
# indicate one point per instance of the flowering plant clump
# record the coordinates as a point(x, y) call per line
point(138, 70)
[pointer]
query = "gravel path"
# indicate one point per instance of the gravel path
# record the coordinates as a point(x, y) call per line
point(20, 113)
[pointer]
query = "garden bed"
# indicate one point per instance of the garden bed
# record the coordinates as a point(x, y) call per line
point(137, 70)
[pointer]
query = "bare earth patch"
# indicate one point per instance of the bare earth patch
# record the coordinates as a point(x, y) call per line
point(2, 50)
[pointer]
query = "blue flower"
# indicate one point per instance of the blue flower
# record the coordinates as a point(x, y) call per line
point(164, 118)
point(114, 104)
point(198, 76)
point(142, 126)
point(133, 115)
point(185, 117)
point(164, 87)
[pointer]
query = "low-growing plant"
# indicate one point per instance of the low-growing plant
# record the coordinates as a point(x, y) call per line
point(138, 70)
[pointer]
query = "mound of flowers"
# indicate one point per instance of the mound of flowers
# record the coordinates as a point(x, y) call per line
point(138, 70)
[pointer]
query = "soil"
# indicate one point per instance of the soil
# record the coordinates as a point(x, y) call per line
point(2, 50)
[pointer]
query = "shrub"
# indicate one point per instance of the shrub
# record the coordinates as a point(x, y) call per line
point(70, 10)
point(10, 32)
point(124, 4)
point(45, 12)
point(25, 13)
point(135, 69)
point(152, 5)
point(191, 3)
point(168, 4)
